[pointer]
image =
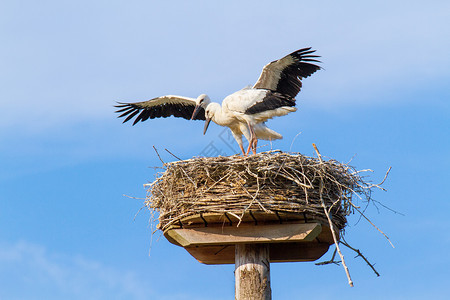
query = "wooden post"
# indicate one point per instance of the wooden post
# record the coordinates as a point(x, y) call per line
point(252, 272)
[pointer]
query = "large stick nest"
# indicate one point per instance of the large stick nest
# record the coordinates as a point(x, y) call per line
point(271, 182)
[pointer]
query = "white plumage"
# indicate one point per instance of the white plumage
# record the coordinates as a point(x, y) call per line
point(244, 112)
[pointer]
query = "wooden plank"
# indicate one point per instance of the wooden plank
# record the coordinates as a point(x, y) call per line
point(279, 252)
point(258, 217)
point(326, 236)
point(297, 252)
point(213, 255)
point(244, 234)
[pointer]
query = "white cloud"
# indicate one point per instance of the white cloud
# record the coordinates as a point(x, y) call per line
point(30, 271)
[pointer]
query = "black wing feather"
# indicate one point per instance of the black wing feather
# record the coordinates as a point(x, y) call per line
point(130, 116)
point(159, 111)
point(284, 75)
point(272, 100)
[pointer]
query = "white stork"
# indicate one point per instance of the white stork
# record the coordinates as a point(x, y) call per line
point(244, 111)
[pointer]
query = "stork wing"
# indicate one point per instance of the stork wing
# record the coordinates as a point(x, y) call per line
point(164, 107)
point(284, 75)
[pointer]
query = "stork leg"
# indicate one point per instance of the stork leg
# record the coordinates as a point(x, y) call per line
point(253, 140)
point(242, 149)
point(248, 149)
point(237, 134)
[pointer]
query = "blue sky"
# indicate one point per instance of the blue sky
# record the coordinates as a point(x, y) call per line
point(68, 232)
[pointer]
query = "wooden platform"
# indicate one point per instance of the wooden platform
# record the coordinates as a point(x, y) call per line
point(211, 238)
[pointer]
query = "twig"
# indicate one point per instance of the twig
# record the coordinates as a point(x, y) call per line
point(318, 153)
point(131, 197)
point(134, 219)
point(388, 208)
point(331, 261)
point(368, 220)
point(158, 155)
point(173, 155)
point(350, 282)
point(293, 140)
point(362, 256)
point(385, 176)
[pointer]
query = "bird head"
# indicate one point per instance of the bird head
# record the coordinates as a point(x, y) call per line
point(201, 101)
point(208, 117)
